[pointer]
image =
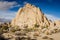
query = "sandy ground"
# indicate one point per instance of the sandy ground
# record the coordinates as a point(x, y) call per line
point(55, 36)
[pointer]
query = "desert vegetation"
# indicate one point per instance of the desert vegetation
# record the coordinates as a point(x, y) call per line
point(15, 33)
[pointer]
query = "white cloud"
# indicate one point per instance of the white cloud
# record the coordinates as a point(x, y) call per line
point(4, 5)
point(4, 9)
point(52, 17)
point(7, 14)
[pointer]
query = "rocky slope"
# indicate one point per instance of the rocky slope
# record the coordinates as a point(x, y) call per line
point(30, 15)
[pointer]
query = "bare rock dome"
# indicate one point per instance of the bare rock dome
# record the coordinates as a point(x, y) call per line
point(29, 15)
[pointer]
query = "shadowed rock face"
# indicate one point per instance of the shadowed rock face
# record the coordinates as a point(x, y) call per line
point(29, 15)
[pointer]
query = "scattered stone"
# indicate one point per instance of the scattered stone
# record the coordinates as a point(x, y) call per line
point(18, 33)
point(7, 35)
point(17, 38)
point(5, 31)
point(36, 33)
point(45, 37)
point(48, 32)
point(44, 29)
point(51, 39)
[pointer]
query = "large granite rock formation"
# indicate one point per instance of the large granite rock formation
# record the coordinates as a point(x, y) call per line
point(30, 15)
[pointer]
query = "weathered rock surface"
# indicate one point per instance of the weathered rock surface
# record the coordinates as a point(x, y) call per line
point(29, 15)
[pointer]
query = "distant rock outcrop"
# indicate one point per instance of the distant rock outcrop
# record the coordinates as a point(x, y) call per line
point(57, 22)
point(30, 15)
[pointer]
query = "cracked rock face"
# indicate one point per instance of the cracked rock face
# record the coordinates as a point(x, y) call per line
point(29, 15)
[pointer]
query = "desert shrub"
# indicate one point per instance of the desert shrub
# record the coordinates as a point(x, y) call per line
point(0, 26)
point(36, 25)
point(15, 28)
point(1, 31)
point(4, 27)
point(46, 26)
point(28, 29)
point(26, 26)
point(31, 29)
point(11, 29)
point(42, 27)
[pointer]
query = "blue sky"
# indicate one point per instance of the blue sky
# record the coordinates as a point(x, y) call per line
point(9, 8)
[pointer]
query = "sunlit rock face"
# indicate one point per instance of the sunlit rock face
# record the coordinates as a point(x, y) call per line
point(29, 15)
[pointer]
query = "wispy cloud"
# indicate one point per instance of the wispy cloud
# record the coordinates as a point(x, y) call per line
point(4, 5)
point(52, 17)
point(4, 9)
point(7, 14)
